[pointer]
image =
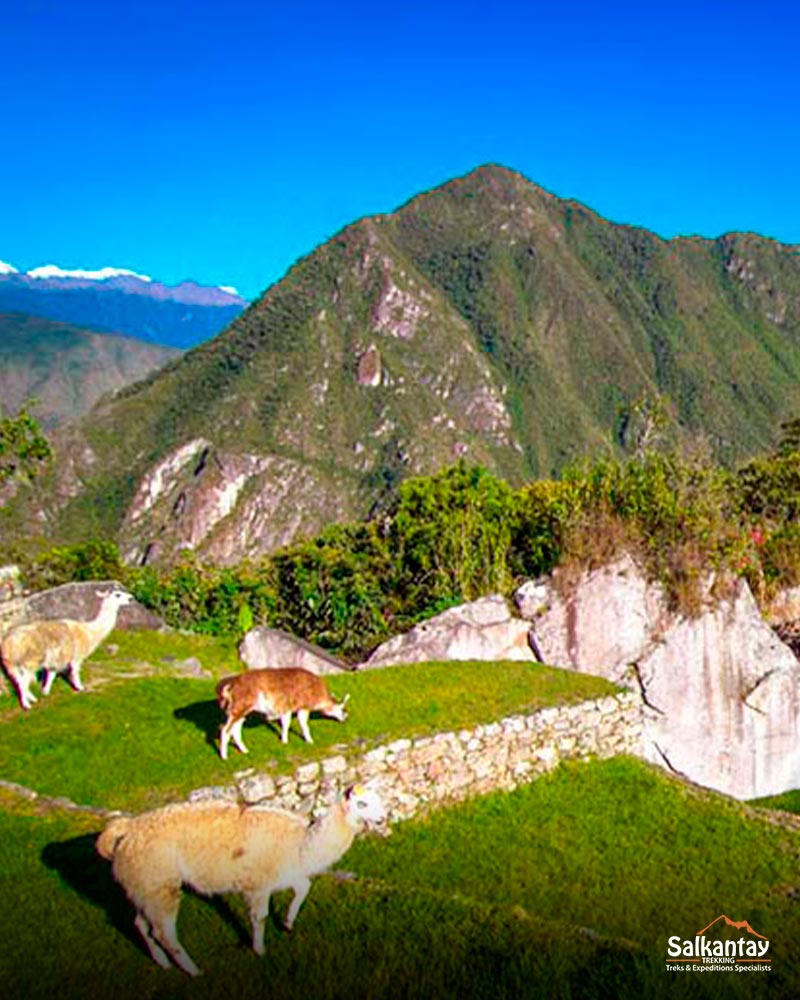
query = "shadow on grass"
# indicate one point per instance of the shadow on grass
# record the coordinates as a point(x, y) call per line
point(207, 717)
point(80, 867)
point(77, 863)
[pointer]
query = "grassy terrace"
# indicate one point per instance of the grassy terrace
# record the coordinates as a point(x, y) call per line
point(566, 888)
point(142, 739)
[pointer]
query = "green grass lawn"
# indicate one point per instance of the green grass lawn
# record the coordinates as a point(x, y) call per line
point(132, 742)
point(159, 652)
point(72, 934)
point(787, 802)
point(566, 888)
point(617, 847)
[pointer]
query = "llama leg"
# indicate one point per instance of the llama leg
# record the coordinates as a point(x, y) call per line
point(23, 679)
point(157, 953)
point(236, 733)
point(231, 728)
point(286, 719)
point(224, 736)
point(259, 908)
point(162, 915)
point(49, 677)
point(302, 718)
point(300, 887)
point(74, 675)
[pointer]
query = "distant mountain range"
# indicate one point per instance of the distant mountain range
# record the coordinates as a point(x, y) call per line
point(117, 300)
point(487, 319)
point(65, 368)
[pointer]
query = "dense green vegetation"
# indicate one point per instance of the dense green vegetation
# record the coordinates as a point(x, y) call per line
point(23, 447)
point(462, 533)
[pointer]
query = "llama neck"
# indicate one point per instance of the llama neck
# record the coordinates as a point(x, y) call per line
point(327, 840)
point(106, 619)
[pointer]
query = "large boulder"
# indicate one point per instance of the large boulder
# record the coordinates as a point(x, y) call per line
point(270, 647)
point(720, 692)
point(481, 630)
point(599, 626)
point(80, 601)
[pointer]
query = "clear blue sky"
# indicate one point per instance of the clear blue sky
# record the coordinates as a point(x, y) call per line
point(222, 141)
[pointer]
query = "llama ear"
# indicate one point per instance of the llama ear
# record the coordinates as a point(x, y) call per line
point(345, 700)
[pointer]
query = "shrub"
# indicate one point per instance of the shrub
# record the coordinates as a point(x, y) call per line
point(543, 511)
point(450, 536)
point(94, 560)
point(770, 487)
point(332, 590)
point(23, 447)
point(780, 557)
point(463, 533)
point(208, 599)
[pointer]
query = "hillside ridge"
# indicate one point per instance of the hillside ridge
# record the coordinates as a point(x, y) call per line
point(486, 319)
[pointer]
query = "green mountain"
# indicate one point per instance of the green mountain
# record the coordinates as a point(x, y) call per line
point(486, 318)
point(65, 367)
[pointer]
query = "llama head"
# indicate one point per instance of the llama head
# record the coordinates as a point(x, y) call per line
point(364, 806)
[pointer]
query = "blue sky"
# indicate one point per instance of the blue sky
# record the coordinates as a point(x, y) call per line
point(222, 141)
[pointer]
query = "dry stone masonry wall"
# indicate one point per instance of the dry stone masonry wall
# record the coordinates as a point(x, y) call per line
point(421, 773)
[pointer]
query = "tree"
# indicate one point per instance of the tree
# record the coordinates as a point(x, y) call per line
point(23, 447)
point(646, 423)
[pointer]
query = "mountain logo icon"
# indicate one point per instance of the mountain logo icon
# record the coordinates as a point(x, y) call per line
point(737, 924)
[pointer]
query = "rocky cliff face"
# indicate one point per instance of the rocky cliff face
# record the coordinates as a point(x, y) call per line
point(720, 692)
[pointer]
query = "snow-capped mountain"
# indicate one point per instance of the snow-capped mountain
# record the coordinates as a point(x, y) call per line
point(119, 300)
point(104, 274)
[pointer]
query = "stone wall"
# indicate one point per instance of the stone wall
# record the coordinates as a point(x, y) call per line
point(415, 774)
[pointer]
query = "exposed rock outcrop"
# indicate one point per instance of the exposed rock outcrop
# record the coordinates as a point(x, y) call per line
point(482, 630)
point(227, 505)
point(720, 692)
point(270, 647)
point(369, 367)
point(74, 600)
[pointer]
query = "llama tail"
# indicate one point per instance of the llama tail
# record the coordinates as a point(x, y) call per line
point(108, 841)
point(224, 696)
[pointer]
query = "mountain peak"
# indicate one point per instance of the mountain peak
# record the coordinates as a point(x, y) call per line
point(486, 318)
point(502, 181)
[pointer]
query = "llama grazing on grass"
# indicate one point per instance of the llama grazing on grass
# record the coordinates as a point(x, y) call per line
point(275, 694)
point(217, 847)
point(57, 646)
